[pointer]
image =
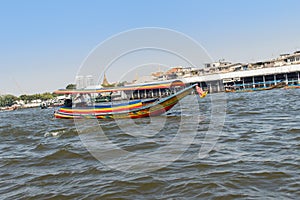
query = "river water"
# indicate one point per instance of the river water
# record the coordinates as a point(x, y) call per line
point(256, 156)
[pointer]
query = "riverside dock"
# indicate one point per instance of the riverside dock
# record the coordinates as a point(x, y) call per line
point(249, 79)
point(223, 76)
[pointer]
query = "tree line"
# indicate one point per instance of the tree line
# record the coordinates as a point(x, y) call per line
point(9, 100)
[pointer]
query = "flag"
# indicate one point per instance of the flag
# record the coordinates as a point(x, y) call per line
point(201, 93)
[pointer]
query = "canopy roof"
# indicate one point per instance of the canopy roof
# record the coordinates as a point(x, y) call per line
point(145, 86)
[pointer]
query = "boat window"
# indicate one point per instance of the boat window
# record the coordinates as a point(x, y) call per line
point(68, 103)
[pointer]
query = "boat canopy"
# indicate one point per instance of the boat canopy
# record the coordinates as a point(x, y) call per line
point(145, 86)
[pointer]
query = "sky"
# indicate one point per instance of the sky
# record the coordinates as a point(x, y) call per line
point(44, 43)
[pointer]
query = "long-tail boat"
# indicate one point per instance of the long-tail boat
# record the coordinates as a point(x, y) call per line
point(136, 108)
point(239, 87)
point(292, 87)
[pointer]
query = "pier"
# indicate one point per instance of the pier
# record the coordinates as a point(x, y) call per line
point(257, 78)
point(225, 76)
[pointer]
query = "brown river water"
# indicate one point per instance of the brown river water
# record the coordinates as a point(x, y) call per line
point(255, 156)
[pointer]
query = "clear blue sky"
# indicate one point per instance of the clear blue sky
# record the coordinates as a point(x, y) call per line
point(44, 42)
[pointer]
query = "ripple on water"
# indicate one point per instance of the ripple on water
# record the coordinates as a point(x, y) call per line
point(255, 157)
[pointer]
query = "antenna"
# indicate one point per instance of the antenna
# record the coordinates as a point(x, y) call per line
point(18, 85)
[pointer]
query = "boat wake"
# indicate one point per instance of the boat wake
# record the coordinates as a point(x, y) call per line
point(55, 133)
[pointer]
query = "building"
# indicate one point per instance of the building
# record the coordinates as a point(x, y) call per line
point(216, 76)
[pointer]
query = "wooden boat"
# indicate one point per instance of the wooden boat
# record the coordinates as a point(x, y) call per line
point(43, 105)
point(279, 85)
point(292, 87)
point(11, 108)
point(130, 109)
point(239, 89)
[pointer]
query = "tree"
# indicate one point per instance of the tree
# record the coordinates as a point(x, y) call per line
point(71, 87)
point(24, 97)
point(7, 100)
point(1, 101)
point(46, 96)
point(54, 94)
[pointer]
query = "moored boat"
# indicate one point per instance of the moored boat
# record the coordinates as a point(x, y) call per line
point(242, 88)
point(292, 87)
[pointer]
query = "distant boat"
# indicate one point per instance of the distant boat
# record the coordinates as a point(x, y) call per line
point(130, 109)
point(43, 105)
point(240, 89)
point(11, 108)
point(292, 87)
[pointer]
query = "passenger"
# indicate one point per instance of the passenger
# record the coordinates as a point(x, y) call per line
point(80, 101)
point(68, 103)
